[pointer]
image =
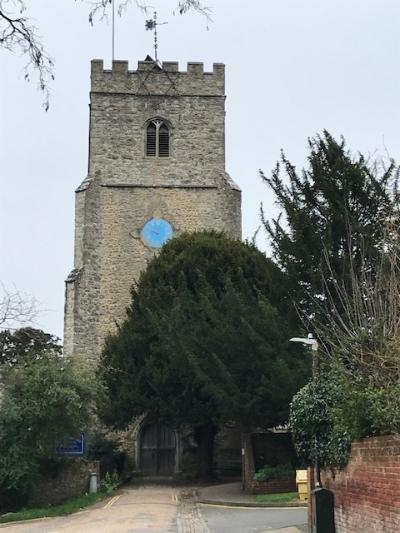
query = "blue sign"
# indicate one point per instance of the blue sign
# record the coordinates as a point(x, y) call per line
point(72, 446)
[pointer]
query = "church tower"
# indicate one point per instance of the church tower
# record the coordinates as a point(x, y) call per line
point(156, 169)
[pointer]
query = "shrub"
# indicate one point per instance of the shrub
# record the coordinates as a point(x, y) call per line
point(110, 482)
point(42, 403)
point(106, 450)
point(328, 415)
point(274, 472)
point(319, 434)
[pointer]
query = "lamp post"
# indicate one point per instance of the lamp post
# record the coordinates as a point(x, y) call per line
point(323, 506)
point(313, 343)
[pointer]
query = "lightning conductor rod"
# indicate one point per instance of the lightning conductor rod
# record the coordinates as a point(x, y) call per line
point(112, 29)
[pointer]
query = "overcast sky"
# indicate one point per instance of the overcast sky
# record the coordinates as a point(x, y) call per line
point(294, 67)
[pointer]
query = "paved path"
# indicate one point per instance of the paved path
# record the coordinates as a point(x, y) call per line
point(152, 509)
point(144, 509)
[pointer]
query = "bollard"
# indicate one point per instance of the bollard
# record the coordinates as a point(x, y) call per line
point(323, 511)
point(93, 483)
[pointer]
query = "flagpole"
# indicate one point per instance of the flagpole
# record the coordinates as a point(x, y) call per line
point(113, 30)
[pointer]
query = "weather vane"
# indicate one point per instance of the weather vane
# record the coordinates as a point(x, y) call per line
point(151, 25)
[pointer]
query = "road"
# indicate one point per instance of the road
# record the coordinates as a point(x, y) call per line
point(152, 509)
point(229, 520)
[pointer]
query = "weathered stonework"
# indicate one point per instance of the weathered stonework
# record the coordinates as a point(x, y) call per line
point(71, 481)
point(124, 188)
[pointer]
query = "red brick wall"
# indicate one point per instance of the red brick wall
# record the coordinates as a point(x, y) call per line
point(367, 492)
point(273, 486)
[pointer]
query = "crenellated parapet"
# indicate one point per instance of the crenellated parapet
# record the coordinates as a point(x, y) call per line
point(154, 78)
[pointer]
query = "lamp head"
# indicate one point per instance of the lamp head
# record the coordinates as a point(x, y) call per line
point(309, 341)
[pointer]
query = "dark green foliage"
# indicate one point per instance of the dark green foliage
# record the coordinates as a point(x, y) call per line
point(273, 449)
point(268, 472)
point(327, 416)
point(26, 344)
point(205, 340)
point(99, 446)
point(106, 450)
point(333, 212)
point(317, 433)
point(42, 402)
point(110, 482)
point(331, 243)
point(71, 506)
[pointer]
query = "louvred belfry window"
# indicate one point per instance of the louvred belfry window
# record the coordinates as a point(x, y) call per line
point(151, 145)
point(157, 139)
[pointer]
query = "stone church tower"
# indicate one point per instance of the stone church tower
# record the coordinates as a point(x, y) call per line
point(156, 169)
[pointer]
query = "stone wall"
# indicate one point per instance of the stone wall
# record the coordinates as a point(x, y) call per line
point(125, 188)
point(149, 78)
point(71, 481)
point(367, 491)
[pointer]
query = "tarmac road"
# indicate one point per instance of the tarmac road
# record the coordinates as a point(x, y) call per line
point(232, 519)
point(158, 509)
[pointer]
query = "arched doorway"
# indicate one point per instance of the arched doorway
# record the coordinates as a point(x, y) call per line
point(157, 450)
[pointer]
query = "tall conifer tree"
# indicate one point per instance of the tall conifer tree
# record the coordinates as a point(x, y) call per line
point(333, 213)
point(205, 342)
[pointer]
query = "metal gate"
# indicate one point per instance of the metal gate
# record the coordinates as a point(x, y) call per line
point(157, 450)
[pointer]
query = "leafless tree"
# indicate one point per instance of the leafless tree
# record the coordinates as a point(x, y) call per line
point(18, 34)
point(17, 309)
point(99, 9)
point(361, 329)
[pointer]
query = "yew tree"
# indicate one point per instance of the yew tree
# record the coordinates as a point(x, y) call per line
point(205, 342)
point(333, 217)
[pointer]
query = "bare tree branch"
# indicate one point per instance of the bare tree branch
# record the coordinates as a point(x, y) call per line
point(18, 34)
point(361, 329)
point(16, 309)
point(99, 8)
point(195, 5)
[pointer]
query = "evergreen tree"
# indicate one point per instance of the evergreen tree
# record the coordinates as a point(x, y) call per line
point(43, 401)
point(332, 221)
point(27, 344)
point(205, 342)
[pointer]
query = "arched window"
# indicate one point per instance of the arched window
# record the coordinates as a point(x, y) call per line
point(157, 139)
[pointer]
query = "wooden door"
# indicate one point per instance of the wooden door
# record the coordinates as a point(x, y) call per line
point(157, 451)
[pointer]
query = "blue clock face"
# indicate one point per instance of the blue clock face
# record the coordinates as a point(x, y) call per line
point(157, 232)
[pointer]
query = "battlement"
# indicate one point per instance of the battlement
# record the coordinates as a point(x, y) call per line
point(153, 78)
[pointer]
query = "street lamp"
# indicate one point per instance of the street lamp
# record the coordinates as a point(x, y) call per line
point(323, 514)
point(313, 343)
